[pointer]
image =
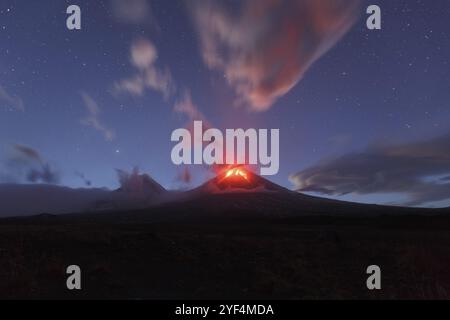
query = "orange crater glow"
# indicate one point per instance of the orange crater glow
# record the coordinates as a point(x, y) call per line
point(236, 172)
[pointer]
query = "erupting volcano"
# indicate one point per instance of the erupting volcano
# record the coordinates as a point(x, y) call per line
point(239, 179)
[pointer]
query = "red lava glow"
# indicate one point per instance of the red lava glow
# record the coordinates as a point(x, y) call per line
point(237, 172)
point(234, 173)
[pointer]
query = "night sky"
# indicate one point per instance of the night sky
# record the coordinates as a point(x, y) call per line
point(366, 117)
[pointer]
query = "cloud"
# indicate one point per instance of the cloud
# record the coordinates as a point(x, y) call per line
point(86, 181)
point(92, 120)
point(10, 100)
point(186, 107)
point(26, 164)
point(415, 169)
point(28, 152)
point(266, 47)
point(44, 174)
point(143, 56)
point(133, 12)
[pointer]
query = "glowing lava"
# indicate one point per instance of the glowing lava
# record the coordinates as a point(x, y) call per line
point(236, 172)
point(236, 177)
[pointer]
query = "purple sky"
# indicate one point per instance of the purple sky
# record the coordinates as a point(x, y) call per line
point(363, 115)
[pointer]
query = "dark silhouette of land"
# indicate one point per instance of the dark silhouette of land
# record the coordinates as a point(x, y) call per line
point(275, 244)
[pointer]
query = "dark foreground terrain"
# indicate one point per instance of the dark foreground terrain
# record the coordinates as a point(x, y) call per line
point(311, 255)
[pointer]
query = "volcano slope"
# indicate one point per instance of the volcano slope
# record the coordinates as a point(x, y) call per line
point(229, 242)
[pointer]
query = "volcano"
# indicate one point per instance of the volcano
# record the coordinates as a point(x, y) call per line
point(239, 179)
point(238, 193)
point(238, 235)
